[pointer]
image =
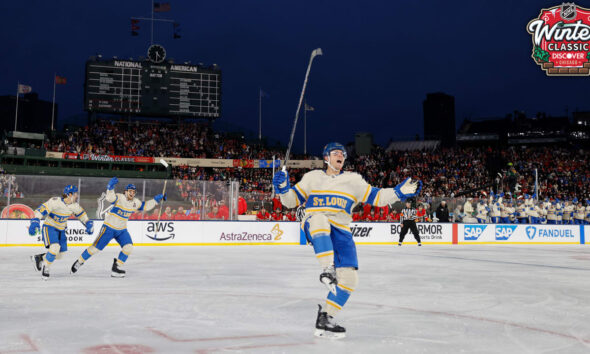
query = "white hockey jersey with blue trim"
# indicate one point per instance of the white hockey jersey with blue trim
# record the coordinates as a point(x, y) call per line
point(122, 209)
point(58, 212)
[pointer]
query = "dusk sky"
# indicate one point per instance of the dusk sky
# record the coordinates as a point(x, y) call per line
point(380, 59)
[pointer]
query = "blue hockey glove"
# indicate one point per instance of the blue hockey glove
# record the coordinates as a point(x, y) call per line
point(407, 189)
point(158, 198)
point(112, 183)
point(34, 226)
point(281, 182)
point(89, 227)
point(501, 195)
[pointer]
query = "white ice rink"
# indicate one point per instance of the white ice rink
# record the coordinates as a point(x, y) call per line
point(263, 299)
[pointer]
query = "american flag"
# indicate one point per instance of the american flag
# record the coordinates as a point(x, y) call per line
point(161, 7)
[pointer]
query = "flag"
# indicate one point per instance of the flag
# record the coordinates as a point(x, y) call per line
point(24, 88)
point(263, 94)
point(60, 80)
point(161, 7)
point(134, 27)
point(176, 30)
point(309, 108)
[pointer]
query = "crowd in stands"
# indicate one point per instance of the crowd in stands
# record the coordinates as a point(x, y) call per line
point(564, 172)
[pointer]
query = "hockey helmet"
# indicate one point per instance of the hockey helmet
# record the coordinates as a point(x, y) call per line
point(70, 189)
point(334, 146)
point(131, 186)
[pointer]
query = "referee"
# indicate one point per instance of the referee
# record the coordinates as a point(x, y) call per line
point(408, 220)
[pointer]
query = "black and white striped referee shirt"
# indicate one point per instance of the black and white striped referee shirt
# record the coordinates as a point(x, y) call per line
point(408, 214)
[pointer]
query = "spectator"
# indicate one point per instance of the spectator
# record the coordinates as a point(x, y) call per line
point(442, 212)
point(263, 215)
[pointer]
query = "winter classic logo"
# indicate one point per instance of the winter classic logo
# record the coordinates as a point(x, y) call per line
point(561, 37)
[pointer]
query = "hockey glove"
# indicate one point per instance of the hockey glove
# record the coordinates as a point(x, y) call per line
point(328, 278)
point(407, 189)
point(112, 183)
point(158, 198)
point(89, 227)
point(34, 227)
point(281, 182)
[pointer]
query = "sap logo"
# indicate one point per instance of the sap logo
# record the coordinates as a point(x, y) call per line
point(165, 229)
point(472, 232)
point(503, 232)
point(530, 232)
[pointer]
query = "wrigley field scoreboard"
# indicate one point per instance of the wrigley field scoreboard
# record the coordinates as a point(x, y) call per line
point(146, 88)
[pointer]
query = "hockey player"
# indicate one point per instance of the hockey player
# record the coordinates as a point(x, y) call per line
point(115, 226)
point(330, 196)
point(552, 213)
point(496, 206)
point(505, 211)
point(587, 211)
point(580, 212)
point(482, 212)
point(568, 213)
point(521, 215)
point(57, 210)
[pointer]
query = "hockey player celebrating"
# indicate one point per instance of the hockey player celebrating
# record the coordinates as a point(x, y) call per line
point(57, 210)
point(115, 226)
point(330, 196)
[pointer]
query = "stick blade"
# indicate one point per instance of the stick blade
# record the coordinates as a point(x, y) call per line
point(164, 163)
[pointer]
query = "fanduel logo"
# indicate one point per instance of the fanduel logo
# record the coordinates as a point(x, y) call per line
point(530, 232)
point(503, 232)
point(472, 232)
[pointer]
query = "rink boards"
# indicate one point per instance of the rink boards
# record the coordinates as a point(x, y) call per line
point(237, 233)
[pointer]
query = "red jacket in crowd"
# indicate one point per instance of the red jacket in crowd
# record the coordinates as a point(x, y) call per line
point(263, 215)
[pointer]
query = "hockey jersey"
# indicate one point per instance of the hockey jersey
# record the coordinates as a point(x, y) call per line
point(335, 196)
point(58, 212)
point(122, 209)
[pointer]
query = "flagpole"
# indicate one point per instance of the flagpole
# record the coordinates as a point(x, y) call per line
point(152, 37)
point(259, 113)
point(304, 128)
point(53, 106)
point(16, 113)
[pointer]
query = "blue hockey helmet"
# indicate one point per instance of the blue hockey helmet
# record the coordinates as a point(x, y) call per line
point(131, 186)
point(70, 189)
point(334, 146)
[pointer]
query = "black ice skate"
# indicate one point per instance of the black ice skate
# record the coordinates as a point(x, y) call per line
point(37, 261)
point(325, 326)
point(328, 278)
point(399, 243)
point(75, 266)
point(116, 271)
point(45, 272)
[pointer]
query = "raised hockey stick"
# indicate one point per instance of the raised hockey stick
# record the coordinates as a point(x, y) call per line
point(163, 193)
point(315, 53)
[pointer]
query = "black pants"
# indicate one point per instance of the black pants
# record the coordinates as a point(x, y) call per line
point(409, 224)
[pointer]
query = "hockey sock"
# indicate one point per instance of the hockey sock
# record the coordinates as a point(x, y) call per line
point(51, 254)
point(87, 254)
point(347, 282)
point(124, 254)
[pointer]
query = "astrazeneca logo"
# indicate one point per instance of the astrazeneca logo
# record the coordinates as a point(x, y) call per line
point(472, 232)
point(530, 232)
point(503, 232)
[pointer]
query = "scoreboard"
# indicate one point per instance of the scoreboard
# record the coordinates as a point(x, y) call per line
point(152, 89)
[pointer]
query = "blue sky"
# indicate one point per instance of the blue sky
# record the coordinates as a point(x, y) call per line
point(380, 58)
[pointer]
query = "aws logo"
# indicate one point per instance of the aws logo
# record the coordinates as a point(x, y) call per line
point(503, 232)
point(162, 231)
point(472, 232)
point(276, 232)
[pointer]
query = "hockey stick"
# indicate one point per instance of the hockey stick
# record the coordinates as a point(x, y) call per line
point(315, 53)
point(165, 164)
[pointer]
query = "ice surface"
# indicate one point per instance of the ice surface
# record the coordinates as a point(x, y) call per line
point(263, 299)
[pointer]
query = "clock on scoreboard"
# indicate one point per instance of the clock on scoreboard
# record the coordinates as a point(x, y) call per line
point(153, 87)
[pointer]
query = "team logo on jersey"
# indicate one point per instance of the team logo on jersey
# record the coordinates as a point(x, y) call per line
point(472, 232)
point(530, 232)
point(561, 40)
point(503, 232)
point(160, 231)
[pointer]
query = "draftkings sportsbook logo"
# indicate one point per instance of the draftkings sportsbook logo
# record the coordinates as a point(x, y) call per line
point(561, 37)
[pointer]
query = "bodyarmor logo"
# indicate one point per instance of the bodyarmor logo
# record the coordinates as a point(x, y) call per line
point(162, 230)
point(276, 232)
point(561, 40)
point(530, 232)
point(472, 232)
point(503, 232)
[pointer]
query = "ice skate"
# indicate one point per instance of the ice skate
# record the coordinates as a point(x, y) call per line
point(116, 271)
point(399, 243)
point(45, 272)
point(75, 267)
point(37, 261)
point(328, 278)
point(325, 326)
point(419, 244)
